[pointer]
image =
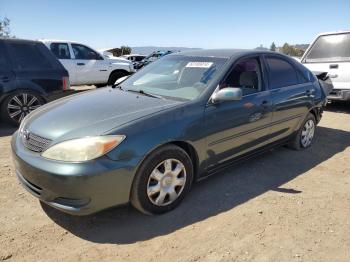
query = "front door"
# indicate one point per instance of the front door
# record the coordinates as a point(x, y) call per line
point(91, 68)
point(237, 127)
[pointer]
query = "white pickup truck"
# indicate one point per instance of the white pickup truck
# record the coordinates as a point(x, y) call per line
point(86, 66)
point(330, 52)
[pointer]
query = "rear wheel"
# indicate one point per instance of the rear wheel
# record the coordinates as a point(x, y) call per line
point(162, 181)
point(305, 135)
point(100, 85)
point(115, 76)
point(19, 104)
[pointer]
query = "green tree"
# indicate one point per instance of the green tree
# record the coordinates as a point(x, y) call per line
point(5, 27)
point(125, 50)
point(286, 49)
point(273, 46)
point(292, 50)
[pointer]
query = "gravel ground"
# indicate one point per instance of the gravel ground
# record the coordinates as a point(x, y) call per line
point(281, 206)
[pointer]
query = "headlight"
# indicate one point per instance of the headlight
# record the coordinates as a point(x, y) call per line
point(82, 149)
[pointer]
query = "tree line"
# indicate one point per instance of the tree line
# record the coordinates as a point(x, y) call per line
point(288, 49)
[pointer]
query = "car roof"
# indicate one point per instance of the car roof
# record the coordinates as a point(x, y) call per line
point(17, 40)
point(222, 53)
point(334, 33)
point(58, 41)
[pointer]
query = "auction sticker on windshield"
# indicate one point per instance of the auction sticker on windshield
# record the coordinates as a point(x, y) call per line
point(199, 64)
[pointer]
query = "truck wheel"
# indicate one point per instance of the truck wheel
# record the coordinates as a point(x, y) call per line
point(115, 76)
point(19, 104)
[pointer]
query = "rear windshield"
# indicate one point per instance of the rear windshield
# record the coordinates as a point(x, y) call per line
point(330, 48)
point(29, 56)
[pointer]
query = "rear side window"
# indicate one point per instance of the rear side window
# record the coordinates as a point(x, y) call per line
point(138, 58)
point(3, 60)
point(60, 50)
point(330, 48)
point(27, 56)
point(281, 73)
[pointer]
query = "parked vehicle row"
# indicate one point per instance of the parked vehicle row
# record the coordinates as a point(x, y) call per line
point(181, 118)
point(134, 57)
point(87, 66)
point(29, 75)
point(151, 58)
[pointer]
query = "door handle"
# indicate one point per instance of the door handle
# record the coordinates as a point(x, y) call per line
point(333, 66)
point(332, 75)
point(265, 103)
point(309, 92)
point(80, 64)
point(4, 78)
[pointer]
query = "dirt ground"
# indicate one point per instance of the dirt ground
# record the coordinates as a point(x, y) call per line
point(281, 206)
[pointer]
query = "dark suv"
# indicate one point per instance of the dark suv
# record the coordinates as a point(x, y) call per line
point(29, 76)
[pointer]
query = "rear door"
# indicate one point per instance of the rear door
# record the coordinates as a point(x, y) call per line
point(331, 53)
point(90, 66)
point(63, 54)
point(35, 67)
point(292, 96)
point(7, 76)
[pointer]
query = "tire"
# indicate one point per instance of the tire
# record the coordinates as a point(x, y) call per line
point(115, 76)
point(100, 85)
point(19, 104)
point(153, 183)
point(301, 141)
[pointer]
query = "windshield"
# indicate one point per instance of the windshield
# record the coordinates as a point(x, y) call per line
point(178, 77)
point(330, 48)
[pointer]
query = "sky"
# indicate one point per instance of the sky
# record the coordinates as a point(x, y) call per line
point(180, 23)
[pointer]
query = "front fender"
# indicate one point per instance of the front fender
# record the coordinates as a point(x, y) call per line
point(183, 124)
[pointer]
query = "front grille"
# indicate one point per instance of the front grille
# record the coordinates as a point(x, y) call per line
point(35, 143)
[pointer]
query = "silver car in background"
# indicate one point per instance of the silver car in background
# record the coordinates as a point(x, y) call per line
point(330, 52)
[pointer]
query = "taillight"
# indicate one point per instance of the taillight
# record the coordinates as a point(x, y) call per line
point(65, 83)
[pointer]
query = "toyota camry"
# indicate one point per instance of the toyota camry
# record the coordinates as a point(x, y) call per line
point(146, 139)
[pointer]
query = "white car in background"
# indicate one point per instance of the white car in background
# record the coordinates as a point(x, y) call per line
point(134, 57)
point(330, 52)
point(87, 66)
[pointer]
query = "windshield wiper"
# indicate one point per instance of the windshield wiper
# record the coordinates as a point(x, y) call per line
point(144, 93)
point(117, 86)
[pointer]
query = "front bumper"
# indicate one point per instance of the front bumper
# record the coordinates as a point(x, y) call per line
point(339, 94)
point(75, 188)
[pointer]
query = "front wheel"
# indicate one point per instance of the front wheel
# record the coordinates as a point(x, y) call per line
point(115, 76)
point(305, 135)
point(19, 104)
point(162, 181)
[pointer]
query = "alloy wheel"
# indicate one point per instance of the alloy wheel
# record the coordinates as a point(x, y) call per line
point(307, 133)
point(21, 105)
point(166, 182)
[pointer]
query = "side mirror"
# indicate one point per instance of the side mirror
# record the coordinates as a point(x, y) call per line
point(227, 94)
point(119, 80)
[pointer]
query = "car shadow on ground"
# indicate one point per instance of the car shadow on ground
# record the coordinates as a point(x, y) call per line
point(210, 197)
point(338, 107)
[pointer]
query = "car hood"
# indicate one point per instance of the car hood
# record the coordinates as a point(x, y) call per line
point(118, 60)
point(92, 113)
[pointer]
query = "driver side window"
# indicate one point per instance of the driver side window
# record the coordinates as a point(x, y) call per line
point(85, 53)
point(246, 75)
